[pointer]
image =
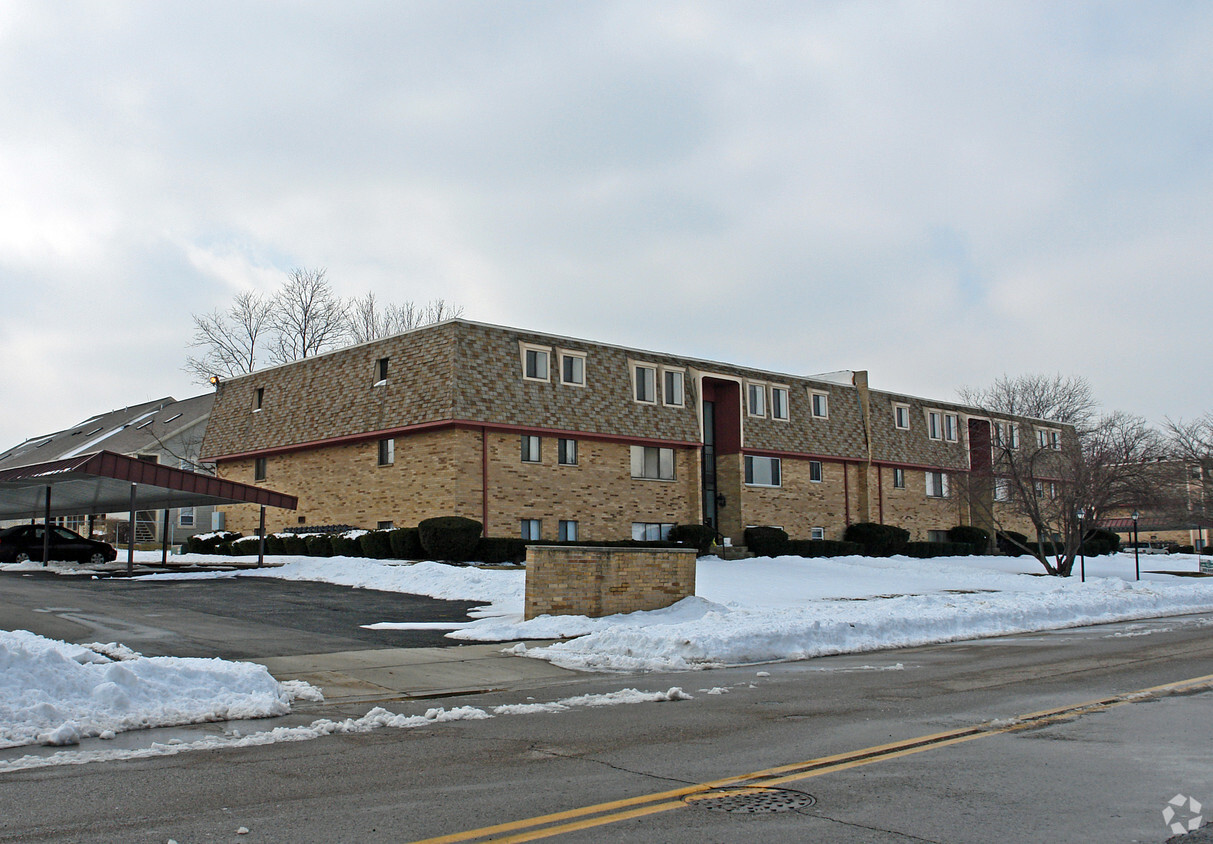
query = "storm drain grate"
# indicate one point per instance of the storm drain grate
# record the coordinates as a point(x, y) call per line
point(752, 800)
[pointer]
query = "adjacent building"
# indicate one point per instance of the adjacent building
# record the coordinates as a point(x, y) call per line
point(555, 438)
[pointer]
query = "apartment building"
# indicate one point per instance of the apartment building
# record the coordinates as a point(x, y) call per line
point(553, 438)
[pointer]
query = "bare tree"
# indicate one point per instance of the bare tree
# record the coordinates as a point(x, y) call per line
point(367, 320)
point(307, 317)
point(230, 338)
point(1061, 487)
point(1190, 441)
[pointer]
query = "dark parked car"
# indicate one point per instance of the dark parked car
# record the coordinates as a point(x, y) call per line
point(24, 542)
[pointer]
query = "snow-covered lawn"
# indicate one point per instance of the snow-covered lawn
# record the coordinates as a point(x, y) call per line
point(55, 693)
point(788, 607)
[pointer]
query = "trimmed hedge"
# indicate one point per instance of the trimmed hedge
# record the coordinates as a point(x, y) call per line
point(450, 538)
point(295, 546)
point(1006, 546)
point(274, 546)
point(346, 546)
point(319, 546)
point(1099, 541)
point(406, 543)
point(701, 536)
point(824, 548)
point(501, 550)
point(926, 550)
point(768, 541)
point(375, 544)
point(976, 538)
point(210, 543)
point(877, 540)
point(245, 546)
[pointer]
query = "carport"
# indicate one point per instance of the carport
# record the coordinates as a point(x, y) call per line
point(105, 482)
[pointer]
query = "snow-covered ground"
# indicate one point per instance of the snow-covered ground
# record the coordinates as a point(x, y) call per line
point(787, 608)
point(56, 693)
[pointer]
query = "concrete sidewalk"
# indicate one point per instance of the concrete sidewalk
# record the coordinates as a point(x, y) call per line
point(400, 673)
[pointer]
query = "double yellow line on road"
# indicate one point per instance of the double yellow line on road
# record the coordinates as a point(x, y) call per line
point(587, 817)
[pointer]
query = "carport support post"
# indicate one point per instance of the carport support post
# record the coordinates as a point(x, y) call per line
point(46, 529)
point(130, 537)
point(261, 543)
point(164, 540)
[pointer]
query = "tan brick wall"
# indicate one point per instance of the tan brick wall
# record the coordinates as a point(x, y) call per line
point(912, 509)
point(604, 581)
point(599, 492)
point(800, 504)
point(434, 474)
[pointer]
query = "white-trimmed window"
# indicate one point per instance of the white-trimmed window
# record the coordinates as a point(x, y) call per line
point(901, 417)
point(644, 383)
point(572, 368)
point(1002, 489)
point(1039, 488)
point(536, 362)
point(567, 531)
point(651, 531)
point(951, 427)
point(1012, 435)
point(1055, 440)
point(530, 449)
point(820, 403)
point(815, 473)
point(763, 471)
point(566, 452)
point(899, 479)
point(387, 452)
point(380, 376)
point(817, 533)
point(652, 463)
point(530, 529)
point(756, 399)
point(937, 484)
point(185, 517)
point(779, 403)
point(1042, 437)
point(673, 387)
point(935, 424)
point(999, 430)
point(258, 400)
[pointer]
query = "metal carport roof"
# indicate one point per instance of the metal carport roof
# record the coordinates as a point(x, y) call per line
point(104, 482)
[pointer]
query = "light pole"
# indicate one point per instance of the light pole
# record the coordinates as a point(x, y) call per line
point(1081, 553)
point(1136, 549)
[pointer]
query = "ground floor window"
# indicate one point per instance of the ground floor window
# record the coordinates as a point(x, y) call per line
point(388, 525)
point(530, 528)
point(937, 484)
point(259, 469)
point(568, 530)
point(899, 479)
point(530, 448)
point(651, 531)
point(763, 471)
point(815, 471)
point(817, 533)
point(652, 463)
point(567, 452)
point(387, 452)
point(937, 536)
point(185, 517)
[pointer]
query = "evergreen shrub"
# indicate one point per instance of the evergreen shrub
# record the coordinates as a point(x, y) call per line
point(976, 538)
point(701, 536)
point(294, 545)
point(500, 550)
point(825, 548)
point(451, 538)
point(926, 550)
point(274, 546)
point(767, 541)
point(1007, 546)
point(1099, 541)
point(208, 543)
point(376, 544)
point(319, 545)
point(346, 546)
point(246, 545)
point(877, 540)
point(406, 543)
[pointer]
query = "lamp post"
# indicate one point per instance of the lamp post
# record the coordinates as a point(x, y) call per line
point(1136, 549)
point(1081, 553)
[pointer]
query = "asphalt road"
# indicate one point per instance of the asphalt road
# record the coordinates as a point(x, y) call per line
point(232, 618)
point(1103, 774)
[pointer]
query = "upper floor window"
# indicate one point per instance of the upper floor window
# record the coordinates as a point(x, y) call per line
point(673, 392)
point(1055, 440)
point(572, 369)
point(821, 405)
point(258, 398)
point(935, 424)
point(756, 399)
point(652, 463)
point(763, 471)
point(937, 484)
point(259, 467)
point(380, 372)
point(779, 403)
point(951, 427)
point(387, 452)
point(566, 452)
point(535, 362)
point(645, 386)
point(901, 416)
point(1012, 435)
point(530, 448)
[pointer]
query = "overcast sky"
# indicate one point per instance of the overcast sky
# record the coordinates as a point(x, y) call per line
point(937, 192)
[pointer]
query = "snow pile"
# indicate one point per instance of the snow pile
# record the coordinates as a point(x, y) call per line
point(55, 693)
